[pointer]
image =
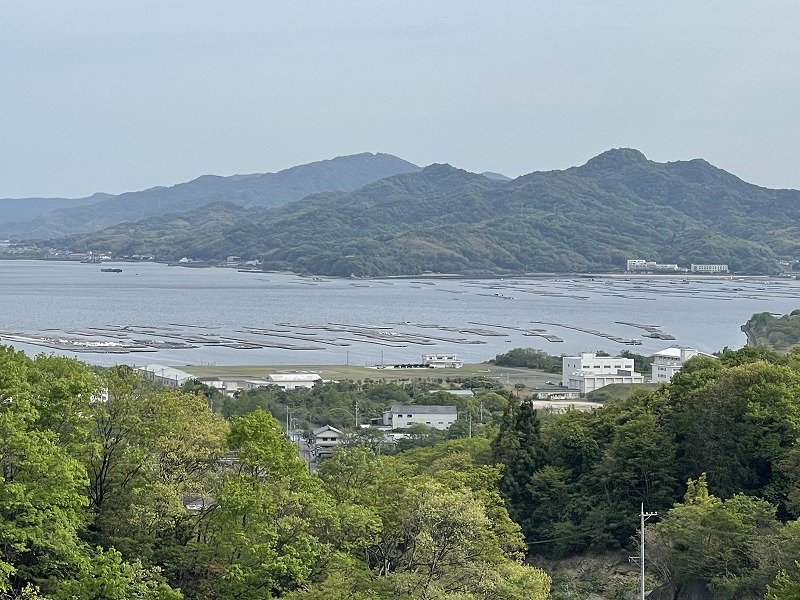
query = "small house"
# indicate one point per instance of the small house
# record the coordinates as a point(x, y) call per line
point(326, 439)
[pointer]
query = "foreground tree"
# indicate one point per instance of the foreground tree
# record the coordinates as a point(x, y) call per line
point(786, 585)
point(42, 487)
point(443, 529)
point(151, 451)
point(729, 546)
point(519, 448)
point(262, 536)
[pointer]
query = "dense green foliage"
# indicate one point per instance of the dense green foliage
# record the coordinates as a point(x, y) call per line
point(335, 403)
point(729, 426)
point(641, 363)
point(113, 488)
point(617, 206)
point(530, 358)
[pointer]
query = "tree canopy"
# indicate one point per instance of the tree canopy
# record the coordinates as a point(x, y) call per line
point(111, 487)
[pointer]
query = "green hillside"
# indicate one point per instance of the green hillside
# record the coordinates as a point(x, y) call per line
point(774, 332)
point(617, 206)
point(344, 173)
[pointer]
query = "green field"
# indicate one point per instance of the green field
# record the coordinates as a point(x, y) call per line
point(506, 375)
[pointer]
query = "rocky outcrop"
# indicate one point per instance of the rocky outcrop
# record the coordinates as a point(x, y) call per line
point(748, 330)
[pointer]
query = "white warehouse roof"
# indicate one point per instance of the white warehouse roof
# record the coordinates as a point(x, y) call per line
point(673, 352)
point(294, 377)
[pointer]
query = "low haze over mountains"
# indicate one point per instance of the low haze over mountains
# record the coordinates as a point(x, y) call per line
point(344, 173)
point(380, 215)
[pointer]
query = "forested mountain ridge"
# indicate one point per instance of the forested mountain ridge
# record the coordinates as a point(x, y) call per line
point(343, 173)
point(618, 205)
point(23, 209)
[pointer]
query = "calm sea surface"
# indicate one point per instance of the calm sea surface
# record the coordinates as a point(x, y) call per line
point(375, 320)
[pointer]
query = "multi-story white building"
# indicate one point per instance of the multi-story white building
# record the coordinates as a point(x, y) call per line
point(442, 361)
point(589, 372)
point(436, 416)
point(669, 361)
point(709, 268)
point(636, 265)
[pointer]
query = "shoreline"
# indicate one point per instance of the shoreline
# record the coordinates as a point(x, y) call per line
point(449, 276)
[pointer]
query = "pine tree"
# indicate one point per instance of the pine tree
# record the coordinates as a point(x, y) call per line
point(519, 447)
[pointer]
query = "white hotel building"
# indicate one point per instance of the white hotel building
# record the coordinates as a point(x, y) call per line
point(589, 372)
point(669, 361)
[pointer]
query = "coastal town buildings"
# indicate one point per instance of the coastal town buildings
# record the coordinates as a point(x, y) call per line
point(556, 393)
point(589, 372)
point(229, 387)
point(634, 265)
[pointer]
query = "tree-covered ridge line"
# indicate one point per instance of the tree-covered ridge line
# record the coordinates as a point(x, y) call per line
point(28, 219)
point(617, 206)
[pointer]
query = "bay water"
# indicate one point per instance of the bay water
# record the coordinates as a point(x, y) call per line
point(453, 315)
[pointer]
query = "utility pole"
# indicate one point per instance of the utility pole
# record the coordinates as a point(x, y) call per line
point(644, 516)
point(470, 425)
point(356, 415)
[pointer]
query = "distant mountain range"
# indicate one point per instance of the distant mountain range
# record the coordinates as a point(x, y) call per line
point(619, 205)
point(25, 209)
point(37, 218)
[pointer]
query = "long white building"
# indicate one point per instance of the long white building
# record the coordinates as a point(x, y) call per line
point(709, 268)
point(436, 416)
point(589, 372)
point(442, 361)
point(650, 265)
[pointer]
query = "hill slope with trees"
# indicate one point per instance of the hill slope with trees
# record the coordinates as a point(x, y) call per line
point(617, 206)
point(343, 173)
point(778, 333)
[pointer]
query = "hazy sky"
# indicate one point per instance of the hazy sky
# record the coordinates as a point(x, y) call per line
point(123, 95)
